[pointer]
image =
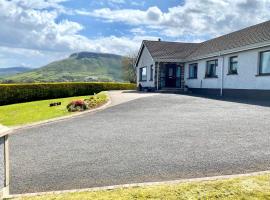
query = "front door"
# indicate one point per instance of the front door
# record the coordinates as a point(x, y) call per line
point(170, 76)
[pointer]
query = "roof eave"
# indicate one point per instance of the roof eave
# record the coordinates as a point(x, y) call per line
point(143, 46)
point(230, 51)
point(139, 55)
point(168, 60)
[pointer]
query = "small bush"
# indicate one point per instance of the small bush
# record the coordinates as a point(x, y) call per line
point(78, 105)
point(91, 102)
point(18, 93)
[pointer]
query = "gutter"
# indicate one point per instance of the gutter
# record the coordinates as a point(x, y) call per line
point(216, 54)
point(157, 75)
point(231, 51)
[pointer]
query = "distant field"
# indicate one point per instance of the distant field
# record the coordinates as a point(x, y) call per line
point(35, 111)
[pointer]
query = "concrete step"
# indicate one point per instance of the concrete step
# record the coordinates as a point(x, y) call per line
point(172, 90)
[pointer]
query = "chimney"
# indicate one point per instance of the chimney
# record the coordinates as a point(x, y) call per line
point(159, 39)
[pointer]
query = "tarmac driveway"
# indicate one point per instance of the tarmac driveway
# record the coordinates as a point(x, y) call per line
point(156, 138)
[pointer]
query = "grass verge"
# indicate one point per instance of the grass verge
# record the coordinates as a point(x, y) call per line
point(253, 187)
point(30, 112)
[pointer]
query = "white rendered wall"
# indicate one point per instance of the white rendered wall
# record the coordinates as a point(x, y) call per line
point(248, 63)
point(146, 61)
point(201, 81)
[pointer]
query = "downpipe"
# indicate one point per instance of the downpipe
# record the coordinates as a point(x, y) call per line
point(222, 75)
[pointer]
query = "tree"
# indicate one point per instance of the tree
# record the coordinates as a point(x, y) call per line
point(128, 69)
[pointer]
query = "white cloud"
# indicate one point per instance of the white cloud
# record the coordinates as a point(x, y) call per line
point(28, 28)
point(39, 4)
point(129, 16)
point(32, 33)
point(194, 17)
point(139, 30)
point(140, 3)
point(120, 45)
point(117, 1)
point(12, 57)
point(111, 3)
point(25, 27)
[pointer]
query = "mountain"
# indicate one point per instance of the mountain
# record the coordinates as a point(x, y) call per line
point(13, 70)
point(83, 66)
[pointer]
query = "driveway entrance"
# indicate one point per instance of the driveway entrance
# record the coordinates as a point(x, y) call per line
point(156, 138)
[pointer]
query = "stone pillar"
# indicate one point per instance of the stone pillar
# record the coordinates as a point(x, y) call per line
point(2, 166)
point(4, 162)
point(155, 76)
point(161, 72)
point(182, 76)
point(158, 71)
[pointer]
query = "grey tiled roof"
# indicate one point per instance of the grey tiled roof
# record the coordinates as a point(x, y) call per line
point(170, 50)
point(175, 50)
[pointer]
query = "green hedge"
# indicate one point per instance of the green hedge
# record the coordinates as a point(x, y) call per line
point(17, 93)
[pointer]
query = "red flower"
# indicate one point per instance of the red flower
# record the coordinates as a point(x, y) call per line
point(78, 102)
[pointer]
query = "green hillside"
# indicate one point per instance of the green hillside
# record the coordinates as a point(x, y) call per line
point(12, 71)
point(83, 66)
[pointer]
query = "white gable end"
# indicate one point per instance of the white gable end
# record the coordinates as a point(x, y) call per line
point(147, 61)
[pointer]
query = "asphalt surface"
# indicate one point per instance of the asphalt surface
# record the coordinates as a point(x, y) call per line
point(157, 138)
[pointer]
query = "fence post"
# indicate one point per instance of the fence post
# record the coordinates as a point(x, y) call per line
point(4, 162)
point(6, 186)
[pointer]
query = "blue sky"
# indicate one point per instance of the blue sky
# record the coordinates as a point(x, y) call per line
point(95, 27)
point(36, 32)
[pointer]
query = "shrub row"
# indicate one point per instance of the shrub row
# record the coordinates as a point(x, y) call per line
point(17, 93)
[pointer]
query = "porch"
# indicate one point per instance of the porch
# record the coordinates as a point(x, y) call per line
point(169, 76)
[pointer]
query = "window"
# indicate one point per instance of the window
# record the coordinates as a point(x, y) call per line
point(171, 71)
point(151, 72)
point(211, 68)
point(233, 65)
point(193, 68)
point(143, 74)
point(264, 63)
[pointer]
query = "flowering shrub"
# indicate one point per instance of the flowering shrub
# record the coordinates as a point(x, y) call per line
point(92, 102)
point(77, 105)
point(89, 103)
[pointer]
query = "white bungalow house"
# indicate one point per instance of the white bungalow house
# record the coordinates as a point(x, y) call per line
point(236, 64)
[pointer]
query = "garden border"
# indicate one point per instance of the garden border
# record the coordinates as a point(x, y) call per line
point(104, 106)
point(5, 132)
point(133, 185)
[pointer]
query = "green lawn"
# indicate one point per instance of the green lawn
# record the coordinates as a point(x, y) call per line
point(245, 188)
point(25, 113)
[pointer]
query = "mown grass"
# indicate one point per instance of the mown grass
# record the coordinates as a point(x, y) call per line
point(245, 188)
point(30, 112)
